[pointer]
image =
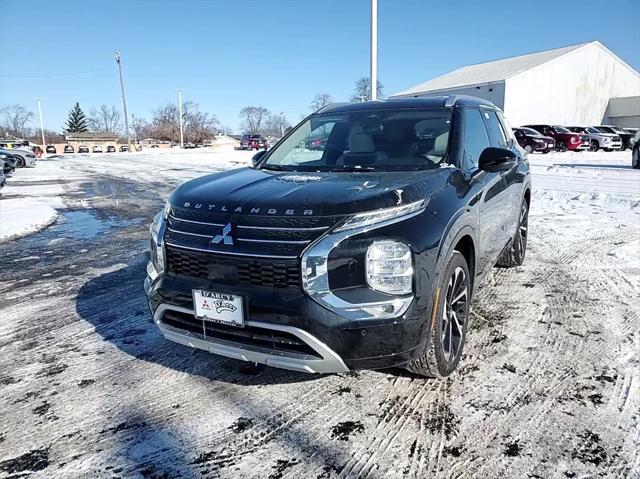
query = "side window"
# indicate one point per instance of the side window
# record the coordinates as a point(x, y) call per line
point(475, 139)
point(494, 128)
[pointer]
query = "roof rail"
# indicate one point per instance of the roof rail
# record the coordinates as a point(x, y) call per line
point(451, 100)
point(330, 105)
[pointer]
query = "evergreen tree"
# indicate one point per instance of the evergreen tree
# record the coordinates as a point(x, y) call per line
point(77, 122)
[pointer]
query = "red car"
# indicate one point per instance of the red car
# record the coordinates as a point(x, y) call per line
point(253, 142)
point(565, 139)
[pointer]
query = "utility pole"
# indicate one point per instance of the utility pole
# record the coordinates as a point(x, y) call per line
point(373, 77)
point(44, 145)
point(124, 101)
point(181, 128)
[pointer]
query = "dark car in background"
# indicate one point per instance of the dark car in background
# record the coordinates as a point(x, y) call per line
point(565, 139)
point(111, 149)
point(625, 136)
point(9, 162)
point(635, 154)
point(51, 149)
point(83, 149)
point(253, 142)
point(68, 149)
point(362, 255)
point(531, 140)
point(124, 148)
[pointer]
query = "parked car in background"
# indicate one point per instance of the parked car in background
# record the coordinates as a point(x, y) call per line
point(97, 149)
point(598, 139)
point(625, 136)
point(69, 149)
point(3, 179)
point(253, 142)
point(111, 149)
point(83, 149)
point(565, 139)
point(51, 149)
point(9, 162)
point(124, 148)
point(531, 140)
point(24, 158)
point(635, 154)
point(633, 131)
point(186, 145)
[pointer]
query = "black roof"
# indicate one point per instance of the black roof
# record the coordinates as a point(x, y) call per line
point(418, 102)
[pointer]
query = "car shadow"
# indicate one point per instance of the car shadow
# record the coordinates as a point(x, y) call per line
point(598, 166)
point(115, 304)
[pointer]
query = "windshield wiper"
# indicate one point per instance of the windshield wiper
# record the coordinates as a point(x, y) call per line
point(274, 167)
point(351, 168)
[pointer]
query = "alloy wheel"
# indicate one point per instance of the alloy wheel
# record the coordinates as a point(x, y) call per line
point(523, 228)
point(454, 314)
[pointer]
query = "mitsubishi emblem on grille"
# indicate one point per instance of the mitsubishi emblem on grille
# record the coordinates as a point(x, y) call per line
point(225, 237)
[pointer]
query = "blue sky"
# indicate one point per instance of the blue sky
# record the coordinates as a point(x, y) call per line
point(227, 54)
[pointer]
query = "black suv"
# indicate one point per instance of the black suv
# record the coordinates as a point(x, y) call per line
point(362, 254)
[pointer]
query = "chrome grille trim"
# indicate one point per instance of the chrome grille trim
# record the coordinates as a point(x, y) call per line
point(230, 253)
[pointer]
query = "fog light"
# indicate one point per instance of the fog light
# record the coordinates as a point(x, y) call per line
point(389, 267)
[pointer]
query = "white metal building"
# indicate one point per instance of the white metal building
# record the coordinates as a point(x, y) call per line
point(570, 85)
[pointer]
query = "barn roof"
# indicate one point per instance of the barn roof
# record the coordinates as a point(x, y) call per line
point(489, 72)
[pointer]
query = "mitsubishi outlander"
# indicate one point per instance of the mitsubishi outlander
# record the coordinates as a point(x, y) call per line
point(361, 253)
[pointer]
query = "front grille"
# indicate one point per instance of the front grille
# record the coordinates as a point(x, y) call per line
point(254, 336)
point(232, 270)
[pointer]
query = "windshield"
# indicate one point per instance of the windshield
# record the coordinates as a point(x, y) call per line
point(603, 129)
point(372, 140)
point(530, 131)
point(561, 129)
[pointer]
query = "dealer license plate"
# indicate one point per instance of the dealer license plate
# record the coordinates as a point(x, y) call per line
point(218, 307)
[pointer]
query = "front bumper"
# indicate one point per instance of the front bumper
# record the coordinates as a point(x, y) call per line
point(332, 343)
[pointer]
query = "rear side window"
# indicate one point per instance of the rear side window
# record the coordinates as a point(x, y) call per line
point(475, 139)
point(494, 128)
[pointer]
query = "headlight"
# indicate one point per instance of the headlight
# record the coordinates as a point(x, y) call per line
point(156, 231)
point(389, 267)
point(370, 218)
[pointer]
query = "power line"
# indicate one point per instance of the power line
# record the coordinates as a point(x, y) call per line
point(49, 75)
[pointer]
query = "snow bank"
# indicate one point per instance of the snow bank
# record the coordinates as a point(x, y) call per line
point(23, 216)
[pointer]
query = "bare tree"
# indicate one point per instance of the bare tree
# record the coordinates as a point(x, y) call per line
point(362, 90)
point(165, 125)
point(105, 119)
point(320, 101)
point(253, 118)
point(13, 119)
point(276, 125)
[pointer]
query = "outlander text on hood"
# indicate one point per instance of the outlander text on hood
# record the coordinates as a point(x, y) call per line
point(362, 252)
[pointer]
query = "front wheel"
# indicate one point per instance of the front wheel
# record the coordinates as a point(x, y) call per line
point(561, 147)
point(594, 146)
point(450, 316)
point(514, 254)
point(528, 149)
point(635, 158)
point(20, 163)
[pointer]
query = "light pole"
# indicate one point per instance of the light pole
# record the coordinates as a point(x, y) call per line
point(124, 101)
point(373, 77)
point(44, 146)
point(180, 107)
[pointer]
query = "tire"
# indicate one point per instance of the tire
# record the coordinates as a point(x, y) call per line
point(561, 147)
point(544, 152)
point(528, 149)
point(608, 150)
point(594, 146)
point(514, 254)
point(635, 158)
point(20, 163)
point(448, 330)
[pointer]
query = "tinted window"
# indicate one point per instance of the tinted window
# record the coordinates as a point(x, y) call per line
point(494, 128)
point(475, 139)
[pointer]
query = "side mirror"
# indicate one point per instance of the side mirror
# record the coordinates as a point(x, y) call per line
point(494, 160)
point(257, 157)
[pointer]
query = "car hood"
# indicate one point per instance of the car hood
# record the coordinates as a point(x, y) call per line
point(263, 192)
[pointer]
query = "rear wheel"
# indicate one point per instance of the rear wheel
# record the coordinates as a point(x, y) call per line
point(450, 316)
point(515, 252)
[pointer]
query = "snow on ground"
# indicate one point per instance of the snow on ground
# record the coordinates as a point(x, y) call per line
point(549, 385)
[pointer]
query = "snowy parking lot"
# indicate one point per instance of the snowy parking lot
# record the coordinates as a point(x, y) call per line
point(549, 385)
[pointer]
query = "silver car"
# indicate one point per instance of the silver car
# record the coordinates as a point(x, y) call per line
point(24, 157)
point(598, 139)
